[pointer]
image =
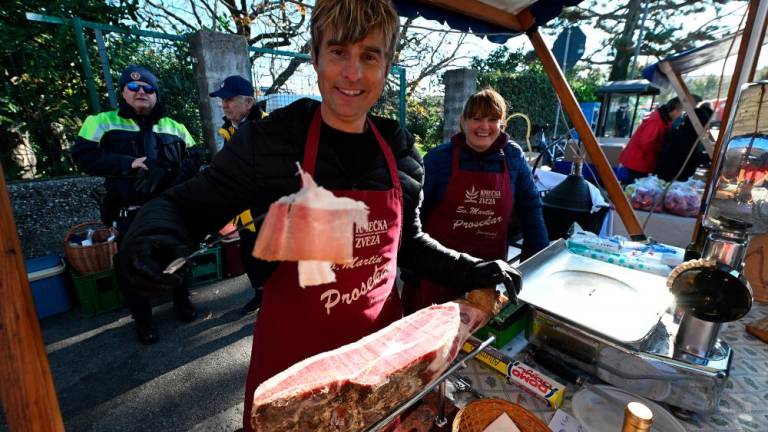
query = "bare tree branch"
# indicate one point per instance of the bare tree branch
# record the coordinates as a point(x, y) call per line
point(293, 65)
point(172, 15)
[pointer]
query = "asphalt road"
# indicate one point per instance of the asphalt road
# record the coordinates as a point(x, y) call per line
point(192, 379)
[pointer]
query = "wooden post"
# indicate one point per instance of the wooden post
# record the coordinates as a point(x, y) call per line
point(26, 385)
point(571, 107)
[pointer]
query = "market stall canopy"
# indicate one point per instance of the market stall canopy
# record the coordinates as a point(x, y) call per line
point(692, 59)
point(635, 87)
point(505, 19)
point(472, 20)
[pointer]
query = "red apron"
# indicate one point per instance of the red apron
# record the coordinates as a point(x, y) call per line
point(472, 217)
point(295, 323)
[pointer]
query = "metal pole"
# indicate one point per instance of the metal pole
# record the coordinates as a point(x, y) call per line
point(105, 69)
point(403, 112)
point(634, 114)
point(93, 97)
point(633, 70)
point(571, 107)
point(565, 61)
point(215, 15)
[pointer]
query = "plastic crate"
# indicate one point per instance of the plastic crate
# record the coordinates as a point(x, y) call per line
point(512, 320)
point(48, 284)
point(97, 292)
point(207, 267)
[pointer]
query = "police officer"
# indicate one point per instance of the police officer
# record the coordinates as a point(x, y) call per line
point(140, 152)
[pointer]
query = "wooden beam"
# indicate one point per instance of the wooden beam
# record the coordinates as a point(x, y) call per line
point(688, 104)
point(481, 11)
point(571, 107)
point(26, 385)
point(752, 71)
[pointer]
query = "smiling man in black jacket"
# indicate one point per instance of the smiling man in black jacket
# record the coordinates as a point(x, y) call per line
point(349, 152)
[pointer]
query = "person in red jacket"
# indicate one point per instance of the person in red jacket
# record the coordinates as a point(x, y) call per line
point(639, 156)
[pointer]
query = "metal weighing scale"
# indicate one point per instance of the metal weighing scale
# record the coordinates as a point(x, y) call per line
point(620, 324)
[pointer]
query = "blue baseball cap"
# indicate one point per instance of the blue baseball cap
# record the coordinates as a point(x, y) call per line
point(137, 73)
point(232, 86)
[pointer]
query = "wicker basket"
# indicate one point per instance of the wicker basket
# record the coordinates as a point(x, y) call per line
point(90, 259)
point(477, 415)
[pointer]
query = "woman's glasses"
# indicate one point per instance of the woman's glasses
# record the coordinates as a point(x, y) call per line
point(134, 87)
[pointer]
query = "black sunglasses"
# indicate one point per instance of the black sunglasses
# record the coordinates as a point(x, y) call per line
point(134, 87)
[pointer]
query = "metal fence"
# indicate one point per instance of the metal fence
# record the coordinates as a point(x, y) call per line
point(45, 126)
point(44, 119)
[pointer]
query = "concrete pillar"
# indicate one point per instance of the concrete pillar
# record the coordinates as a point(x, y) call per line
point(459, 86)
point(216, 56)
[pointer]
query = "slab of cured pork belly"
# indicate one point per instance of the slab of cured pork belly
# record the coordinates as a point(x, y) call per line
point(352, 387)
point(313, 227)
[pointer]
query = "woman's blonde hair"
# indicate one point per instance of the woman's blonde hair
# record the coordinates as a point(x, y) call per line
point(352, 20)
point(485, 103)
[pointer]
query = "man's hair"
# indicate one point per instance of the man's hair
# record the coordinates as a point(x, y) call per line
point(485, 103)
point(673, 104)
point(352, 20)
point(247, 98)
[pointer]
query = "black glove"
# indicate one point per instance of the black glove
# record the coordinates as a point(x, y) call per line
point(155, 178)
point(488, 274)
point(140, 263)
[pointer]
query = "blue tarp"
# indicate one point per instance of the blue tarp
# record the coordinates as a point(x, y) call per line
point(692, 59)
point(543, 11)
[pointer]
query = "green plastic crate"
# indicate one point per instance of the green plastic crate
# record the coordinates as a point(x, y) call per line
point(207, 267)
point(512, 320)
point(97, 292)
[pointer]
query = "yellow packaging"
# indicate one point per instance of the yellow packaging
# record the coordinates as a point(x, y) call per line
point(521, 374)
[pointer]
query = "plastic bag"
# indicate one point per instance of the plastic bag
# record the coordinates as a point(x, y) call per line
point(651, 257)
point(683, 199)
point(646, 193)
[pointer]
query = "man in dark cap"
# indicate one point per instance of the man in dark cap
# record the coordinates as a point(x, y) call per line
point(238, 104)
point(140, 152)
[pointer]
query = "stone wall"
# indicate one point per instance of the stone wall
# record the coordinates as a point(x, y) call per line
point(459, 86)
point(45, 210)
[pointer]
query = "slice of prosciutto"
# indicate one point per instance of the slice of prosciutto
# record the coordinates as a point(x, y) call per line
point(353, 386)
point(313, 227)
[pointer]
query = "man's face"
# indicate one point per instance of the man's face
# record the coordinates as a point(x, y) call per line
point(236, 108)
point(136, 96)
point(351, 77)
point(675, 114)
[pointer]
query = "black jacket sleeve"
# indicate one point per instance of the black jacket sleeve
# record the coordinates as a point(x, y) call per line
point(93, 160)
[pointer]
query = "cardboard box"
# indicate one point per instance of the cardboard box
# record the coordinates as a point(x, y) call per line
point(756, 267)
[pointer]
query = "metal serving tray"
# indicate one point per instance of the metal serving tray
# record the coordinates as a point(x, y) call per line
point(618, 303)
